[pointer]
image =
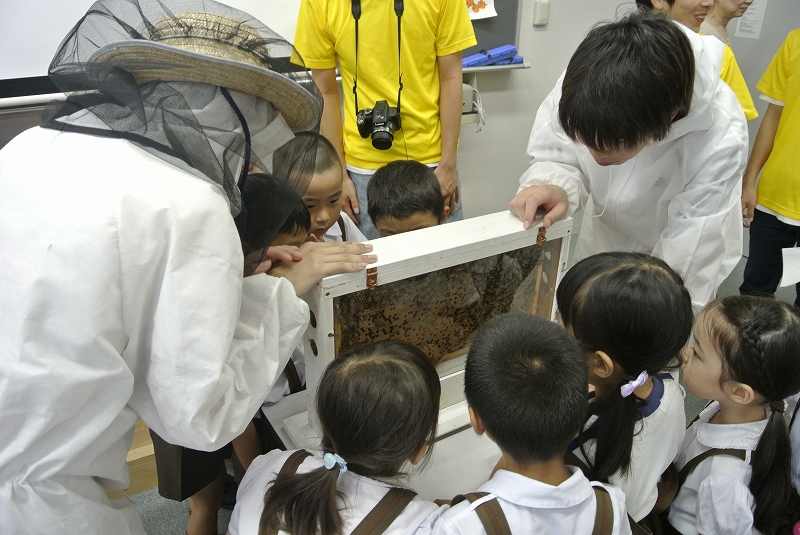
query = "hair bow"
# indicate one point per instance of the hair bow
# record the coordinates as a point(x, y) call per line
point(628, 388)
point(331, 460)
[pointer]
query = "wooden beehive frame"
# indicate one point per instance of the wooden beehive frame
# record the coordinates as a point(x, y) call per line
point(408, 255)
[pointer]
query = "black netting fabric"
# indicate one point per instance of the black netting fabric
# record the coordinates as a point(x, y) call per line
point(201, 85)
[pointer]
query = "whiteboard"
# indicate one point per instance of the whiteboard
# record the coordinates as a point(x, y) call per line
point(32, 30)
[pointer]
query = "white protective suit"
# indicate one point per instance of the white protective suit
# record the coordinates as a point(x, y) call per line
point(120, 290)
point(678, 198)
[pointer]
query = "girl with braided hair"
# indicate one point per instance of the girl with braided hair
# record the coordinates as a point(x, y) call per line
point(735, 460)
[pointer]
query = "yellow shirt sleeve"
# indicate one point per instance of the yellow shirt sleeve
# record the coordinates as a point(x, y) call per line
point(312, 39)
point(775, 81)
point(732, 76)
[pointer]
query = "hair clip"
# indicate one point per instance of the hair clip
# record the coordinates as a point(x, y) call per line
point(331, 460)
point(628, 388)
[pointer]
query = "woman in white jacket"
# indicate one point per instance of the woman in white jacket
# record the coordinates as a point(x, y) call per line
point(122, 284)
point(641, 131)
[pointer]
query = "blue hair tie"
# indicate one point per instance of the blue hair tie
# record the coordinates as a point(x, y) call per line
point(331, 460)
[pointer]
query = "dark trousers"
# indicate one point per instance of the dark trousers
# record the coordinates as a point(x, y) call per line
point(764, 267)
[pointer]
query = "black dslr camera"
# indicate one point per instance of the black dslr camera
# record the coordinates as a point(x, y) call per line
point(379, 122)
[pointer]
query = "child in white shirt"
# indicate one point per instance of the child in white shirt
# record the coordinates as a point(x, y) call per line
point(632, 315)
point(378, 406)
point(744, 356)
point(525, 383)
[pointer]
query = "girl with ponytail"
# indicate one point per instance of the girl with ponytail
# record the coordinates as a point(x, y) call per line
point(378, 407)
point(632, 316)
point(745, 356)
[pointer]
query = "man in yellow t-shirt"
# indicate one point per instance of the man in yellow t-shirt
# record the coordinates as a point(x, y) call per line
point(773, 210)
point(432, 35)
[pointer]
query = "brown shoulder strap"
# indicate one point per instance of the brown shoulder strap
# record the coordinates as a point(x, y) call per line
point(292, 377)
point(692, 464)
point(604, 514)
point(489, 512)
point(668, 487)
point(289, 468)
point(293, 462)
point(385, 512)
point(340, 221)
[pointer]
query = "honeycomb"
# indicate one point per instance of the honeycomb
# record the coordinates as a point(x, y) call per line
point(440, 311)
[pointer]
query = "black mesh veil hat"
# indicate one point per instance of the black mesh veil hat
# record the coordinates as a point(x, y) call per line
point(199, 84)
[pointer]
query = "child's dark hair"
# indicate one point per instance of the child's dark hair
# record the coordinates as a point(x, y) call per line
point(526, 379)
point(303, 143)
point(626, 81)
point(758, 340)
point(635, 308)
point(377, 405)
point(270, 204)
point(298, 219)
point(402, 188)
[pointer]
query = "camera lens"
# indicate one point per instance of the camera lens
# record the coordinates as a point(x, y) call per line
point(382, 138)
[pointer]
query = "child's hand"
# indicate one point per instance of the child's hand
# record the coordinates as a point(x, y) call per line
point(323, 259)
point(276, 255)
point(441, 502)
point(313, 238)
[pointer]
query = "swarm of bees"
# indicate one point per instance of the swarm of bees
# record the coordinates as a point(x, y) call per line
point(476, 6)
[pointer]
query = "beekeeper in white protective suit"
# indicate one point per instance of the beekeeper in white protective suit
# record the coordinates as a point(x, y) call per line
point(122, 283)
point(641, 122)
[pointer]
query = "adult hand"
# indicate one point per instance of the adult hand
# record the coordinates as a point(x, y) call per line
point(323, 259)
point(553, 199)
point(448, 182)
point(349, 198)
point(749, 200)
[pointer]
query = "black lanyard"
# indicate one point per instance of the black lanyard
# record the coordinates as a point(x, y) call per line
point(398, 10)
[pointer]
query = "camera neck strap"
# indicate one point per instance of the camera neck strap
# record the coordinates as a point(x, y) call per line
point(355, 7)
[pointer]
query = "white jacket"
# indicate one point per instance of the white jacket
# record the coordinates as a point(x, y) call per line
point(678, 198)
point(122, 297)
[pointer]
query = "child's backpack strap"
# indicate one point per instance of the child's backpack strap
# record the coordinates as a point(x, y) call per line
point(668, 487)
point(604, 514)
point(692, 464)
point(293, 463)
point(385, 512)
point(489, 512)
point(290, 468)
point(340, 222)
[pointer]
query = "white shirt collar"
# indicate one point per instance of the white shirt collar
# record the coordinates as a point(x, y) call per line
point(527, 492)
point(739, 436)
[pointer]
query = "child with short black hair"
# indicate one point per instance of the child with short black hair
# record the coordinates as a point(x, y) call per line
point(525, 383)
point(298, 224)
point(323, 197)
point(367, 436)
point(405, 195)
point(632, 317)
point(744, 357)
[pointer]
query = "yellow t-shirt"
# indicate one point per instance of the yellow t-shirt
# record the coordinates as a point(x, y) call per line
point(779, 186)
point(732, 76)
point(430, 28)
